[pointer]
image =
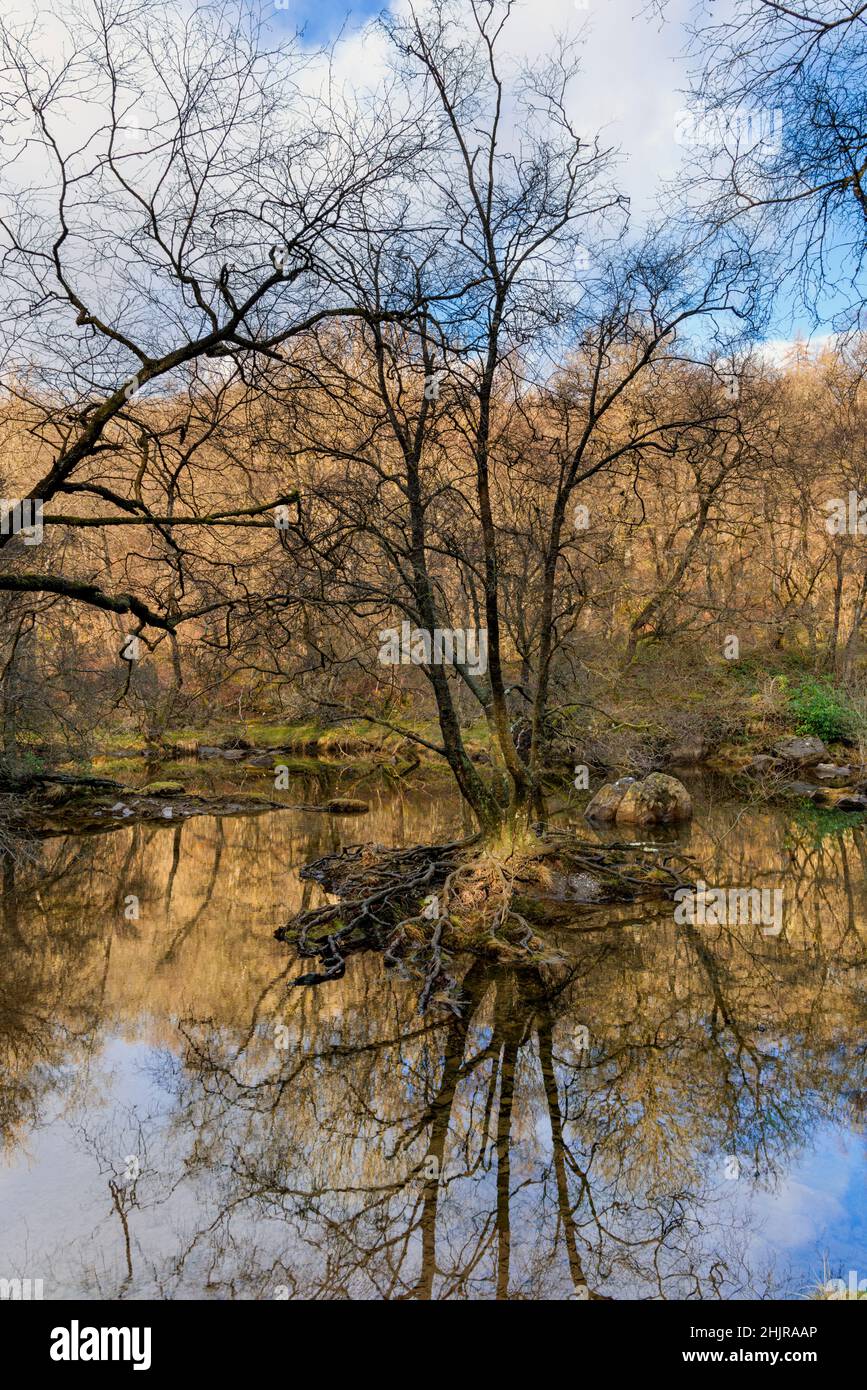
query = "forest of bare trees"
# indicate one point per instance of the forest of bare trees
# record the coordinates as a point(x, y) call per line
point(433, 559)
point(345, 369)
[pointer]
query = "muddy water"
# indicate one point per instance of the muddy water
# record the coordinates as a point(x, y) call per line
point(685, 1119)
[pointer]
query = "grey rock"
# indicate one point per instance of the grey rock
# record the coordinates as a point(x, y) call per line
point(829, 772)
point(806, 789)
point(806, 752)
point(690, 751)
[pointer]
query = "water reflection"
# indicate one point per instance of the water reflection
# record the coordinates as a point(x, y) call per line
point(680, 1117)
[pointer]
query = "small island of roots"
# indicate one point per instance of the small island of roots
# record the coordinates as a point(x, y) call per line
point(503, 899)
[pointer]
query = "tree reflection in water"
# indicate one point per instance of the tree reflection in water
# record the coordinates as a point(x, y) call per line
point(601, 1137)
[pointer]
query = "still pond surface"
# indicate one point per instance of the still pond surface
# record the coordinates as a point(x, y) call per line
point(684, 1119)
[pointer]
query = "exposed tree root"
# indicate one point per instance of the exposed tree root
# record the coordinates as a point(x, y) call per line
point(423, 906)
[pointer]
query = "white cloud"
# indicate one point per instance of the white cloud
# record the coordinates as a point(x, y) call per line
point(629, 87)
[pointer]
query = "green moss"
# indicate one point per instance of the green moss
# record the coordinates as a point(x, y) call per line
point(117, 767)
point(282, 735)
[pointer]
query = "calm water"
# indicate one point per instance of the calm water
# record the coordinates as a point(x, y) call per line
point(178, 1123)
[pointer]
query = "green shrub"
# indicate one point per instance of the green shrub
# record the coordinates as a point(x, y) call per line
point(822, 710)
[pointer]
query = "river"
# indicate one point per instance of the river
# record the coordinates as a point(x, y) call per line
point(683, 1118)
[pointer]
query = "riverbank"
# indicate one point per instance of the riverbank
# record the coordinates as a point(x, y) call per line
point(781, 731)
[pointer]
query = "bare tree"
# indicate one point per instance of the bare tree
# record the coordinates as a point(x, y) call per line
point(172, 192)
point(779, 147)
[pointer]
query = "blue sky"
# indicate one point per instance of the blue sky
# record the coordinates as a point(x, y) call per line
point(322, 20)
point(633, 76)
point(631, 85)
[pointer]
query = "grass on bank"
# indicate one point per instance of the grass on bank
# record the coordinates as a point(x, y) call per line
point(671, 695)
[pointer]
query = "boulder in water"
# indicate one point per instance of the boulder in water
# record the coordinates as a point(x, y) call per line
point(691, 750)
point(603, 806)
point(657, 800)
point(817, 794)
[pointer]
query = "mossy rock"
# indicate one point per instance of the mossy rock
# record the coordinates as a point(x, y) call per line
point(657, 800)
point(603, 806)
point(162, 789)
point(346, 806)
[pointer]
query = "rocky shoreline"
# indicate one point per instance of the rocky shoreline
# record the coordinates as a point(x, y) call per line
point(801, 767)
point(795, 768)
point(60, 804)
